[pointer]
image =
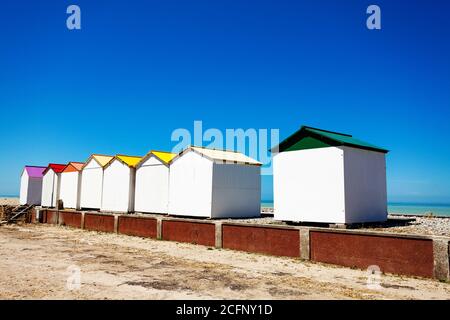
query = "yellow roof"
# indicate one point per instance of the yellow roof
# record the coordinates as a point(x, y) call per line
point(164, 156)
point(101, 159)
point(131, 161)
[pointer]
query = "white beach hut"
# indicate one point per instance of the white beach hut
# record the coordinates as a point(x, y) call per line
point(152, 182)
point(51, 184)
point(215, 184)
point(118, 184)
point(92, 181)
point(329, 177)
point(31, 185)
point(70, 185)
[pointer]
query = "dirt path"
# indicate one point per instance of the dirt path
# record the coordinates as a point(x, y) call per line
point(34, 262)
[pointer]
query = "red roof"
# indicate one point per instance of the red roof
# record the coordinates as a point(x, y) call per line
point(56, 167)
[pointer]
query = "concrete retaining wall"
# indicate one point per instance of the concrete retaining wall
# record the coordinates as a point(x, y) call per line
point(137, 226)
point(50, 216)
point(403, 254)
point(71, 219)
point(99, 222)
point(31, 216)
point(273, 241)
point(192, 232)
point(390, 254)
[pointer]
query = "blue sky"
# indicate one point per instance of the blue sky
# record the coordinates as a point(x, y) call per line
point(137, 70)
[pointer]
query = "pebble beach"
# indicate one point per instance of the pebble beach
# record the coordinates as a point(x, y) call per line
point(423, 225)
point(398, 223)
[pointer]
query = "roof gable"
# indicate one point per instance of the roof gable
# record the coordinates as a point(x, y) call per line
point(56, 167)
point(163, 156)
point(35, 171)
point(312, 138)
point(101, 159)
point(130, 161)
point(73, 167)
point(223, 156)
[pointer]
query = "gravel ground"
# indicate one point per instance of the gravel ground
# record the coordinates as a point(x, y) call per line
point(419, 225)
point(438, 226)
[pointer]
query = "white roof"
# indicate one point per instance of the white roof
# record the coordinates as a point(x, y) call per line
point(225, 156)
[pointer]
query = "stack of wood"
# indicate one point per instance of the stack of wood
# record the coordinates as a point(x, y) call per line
point(14, 213)
point(5, 212)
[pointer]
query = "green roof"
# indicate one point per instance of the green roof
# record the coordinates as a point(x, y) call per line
point(312, 138)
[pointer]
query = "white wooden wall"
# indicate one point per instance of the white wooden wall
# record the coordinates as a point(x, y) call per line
point(330, 185)
point(365, 185)
point(118, 188)
point(152, 187)
point(50, 189)
point(236, 191)
point(34, 191)
point(309, 185)
point(24, 188)
point(91, 186)
point(70, 187)
point(190, 186)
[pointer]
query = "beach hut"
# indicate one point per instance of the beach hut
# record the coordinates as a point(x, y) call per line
point(214, 184)
point(70, 185)
point(152, 182)
point(31, 185)
point(329, 177)
point(118, 184)
point(92, 181)
point(51, 184)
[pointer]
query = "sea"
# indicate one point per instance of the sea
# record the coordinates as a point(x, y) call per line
point(406, 208)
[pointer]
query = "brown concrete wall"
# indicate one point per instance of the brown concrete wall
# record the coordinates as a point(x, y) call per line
point(192, 232)
point(31, 216)
point(51, 217)
point(392, 254)
point(273, 241)
point(71, 219)
point(99, 222)
point(137, 226)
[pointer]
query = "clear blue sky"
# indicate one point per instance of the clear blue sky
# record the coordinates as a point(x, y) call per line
point(137, 70)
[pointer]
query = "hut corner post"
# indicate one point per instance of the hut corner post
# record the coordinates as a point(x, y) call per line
point(218, 235)
point(116, 223)
point(159, 222)
point(441, 259)
point(82, 219)
point(304, 244)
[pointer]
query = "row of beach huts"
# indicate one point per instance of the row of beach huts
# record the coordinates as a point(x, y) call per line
point(319, 176)
point(197, 182)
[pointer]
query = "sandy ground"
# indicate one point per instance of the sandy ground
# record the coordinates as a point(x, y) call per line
point(9, 201)
point(36, 261)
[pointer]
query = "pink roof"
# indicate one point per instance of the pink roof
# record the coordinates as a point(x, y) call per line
point(35, 172)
